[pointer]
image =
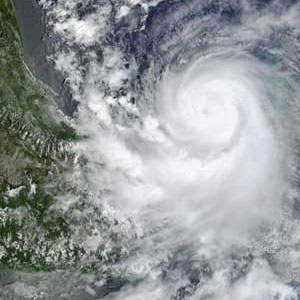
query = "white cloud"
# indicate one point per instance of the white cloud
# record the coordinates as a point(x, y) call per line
point(207, 170)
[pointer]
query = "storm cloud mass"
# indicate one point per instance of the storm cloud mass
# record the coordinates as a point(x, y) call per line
point(189, 116)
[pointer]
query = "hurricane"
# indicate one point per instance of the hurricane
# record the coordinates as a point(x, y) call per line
point(187, 165)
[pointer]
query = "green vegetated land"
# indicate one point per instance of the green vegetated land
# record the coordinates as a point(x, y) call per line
point(33, 159)
point(45, 217)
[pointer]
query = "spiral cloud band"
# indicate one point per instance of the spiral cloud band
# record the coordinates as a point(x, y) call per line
point(225, 162)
